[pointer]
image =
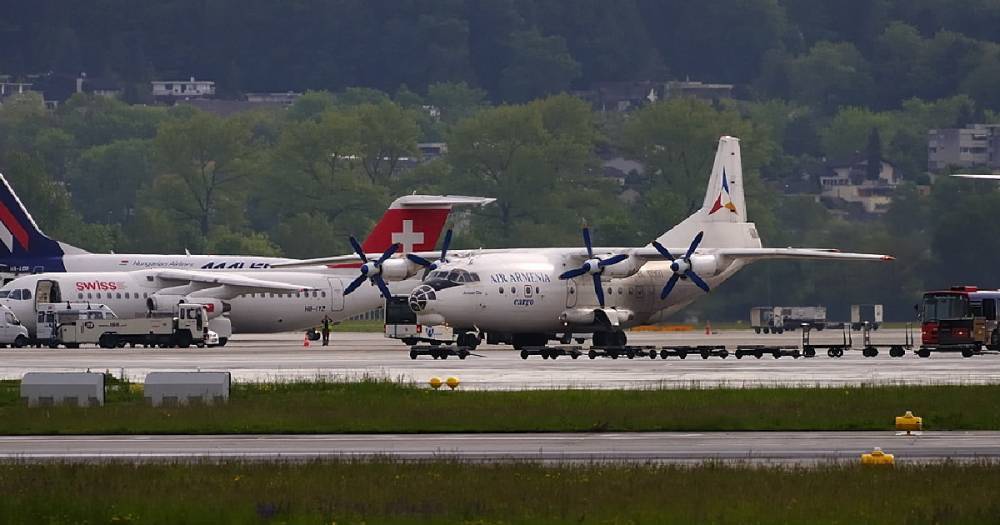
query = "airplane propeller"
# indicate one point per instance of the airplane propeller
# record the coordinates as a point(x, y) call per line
point(371, 270)
point(593, 266)
point(681, 267)
point(431, 266)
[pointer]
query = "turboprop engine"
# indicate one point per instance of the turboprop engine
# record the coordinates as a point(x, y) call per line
point(394, 270)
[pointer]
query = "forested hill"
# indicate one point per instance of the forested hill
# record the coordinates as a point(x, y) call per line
point(873, 53)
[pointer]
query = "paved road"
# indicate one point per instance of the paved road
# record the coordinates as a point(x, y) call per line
point(658, 446)
point(353, 355)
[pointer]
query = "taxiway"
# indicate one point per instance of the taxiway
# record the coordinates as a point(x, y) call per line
point(355, 355)
point(805, 447)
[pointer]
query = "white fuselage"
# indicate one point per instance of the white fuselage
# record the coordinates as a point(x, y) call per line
point(126, 293)
point(522, 292)
point(100, 262)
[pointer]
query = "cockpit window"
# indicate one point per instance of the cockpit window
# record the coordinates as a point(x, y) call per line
point(15, 295)
point(4, 294)
point(25, 294)
point(456, 276)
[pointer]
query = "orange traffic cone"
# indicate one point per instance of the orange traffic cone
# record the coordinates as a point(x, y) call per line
point(305, 341)
point(708, 327)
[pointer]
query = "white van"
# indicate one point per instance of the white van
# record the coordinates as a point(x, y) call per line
point(12, 332)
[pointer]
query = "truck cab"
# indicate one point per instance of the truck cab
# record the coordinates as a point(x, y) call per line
point(12, 332)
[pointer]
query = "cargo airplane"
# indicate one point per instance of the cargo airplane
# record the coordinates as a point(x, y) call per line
point(526, 297)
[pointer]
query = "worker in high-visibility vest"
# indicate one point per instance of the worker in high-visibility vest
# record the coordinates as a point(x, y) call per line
point(327, 323)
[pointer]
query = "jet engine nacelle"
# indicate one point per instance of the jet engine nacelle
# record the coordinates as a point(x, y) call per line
point(399, 269)
point(706, 265)
point(167, 303)
point(626, 268)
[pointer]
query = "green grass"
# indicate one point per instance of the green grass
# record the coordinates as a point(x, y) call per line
point(452, 492)
point(383, 406)
point(376, 325)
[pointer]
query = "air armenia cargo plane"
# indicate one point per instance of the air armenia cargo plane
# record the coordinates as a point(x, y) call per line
point(528, 296)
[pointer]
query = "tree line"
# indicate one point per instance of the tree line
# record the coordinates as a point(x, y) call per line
point(819, 53)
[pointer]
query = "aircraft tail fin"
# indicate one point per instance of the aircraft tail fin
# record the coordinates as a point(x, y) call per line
point(723, 215)
point(22, 242)
point(415, 222)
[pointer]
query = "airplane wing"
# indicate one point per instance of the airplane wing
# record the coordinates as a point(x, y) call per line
point(970, 176)
point(645, 254)
point(755, 254)
point(226, 286)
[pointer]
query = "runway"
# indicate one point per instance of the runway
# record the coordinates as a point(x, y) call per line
point(799, 447)
point(355, 355)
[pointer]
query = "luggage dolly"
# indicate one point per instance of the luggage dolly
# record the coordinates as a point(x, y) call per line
point(614, 352)
point(551, 352)
point(705, 351)
point(441, 352)
point(758, 351)
point(895, 349)
point(832, 349)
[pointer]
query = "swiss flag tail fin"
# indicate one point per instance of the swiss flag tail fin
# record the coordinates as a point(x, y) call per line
point(415, 222)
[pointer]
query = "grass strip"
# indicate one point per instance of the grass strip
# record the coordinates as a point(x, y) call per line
point(453, 492)
point(375, 406)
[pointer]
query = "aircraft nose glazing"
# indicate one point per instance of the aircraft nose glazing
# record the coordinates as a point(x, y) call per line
point(420, 296)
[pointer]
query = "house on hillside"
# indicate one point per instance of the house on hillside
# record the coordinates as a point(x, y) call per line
point(182, 89)
point(846, 184)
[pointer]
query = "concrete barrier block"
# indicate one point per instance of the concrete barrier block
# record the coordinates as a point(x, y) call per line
point(183, 388)
point(63, 388)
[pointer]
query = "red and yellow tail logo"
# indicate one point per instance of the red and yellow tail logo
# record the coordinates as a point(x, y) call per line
point(724, 193)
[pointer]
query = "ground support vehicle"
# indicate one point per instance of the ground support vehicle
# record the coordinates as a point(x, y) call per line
point(866, 313)
point(777, 351)
point(834, 349)
point(962, 319)
point(870, 349)
point(614, 352)
point(778, 319)
point(188, 326)
point(440, 352)
point(401, 323)
point(12, 332)
point(50, 316)
point(705, 351)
